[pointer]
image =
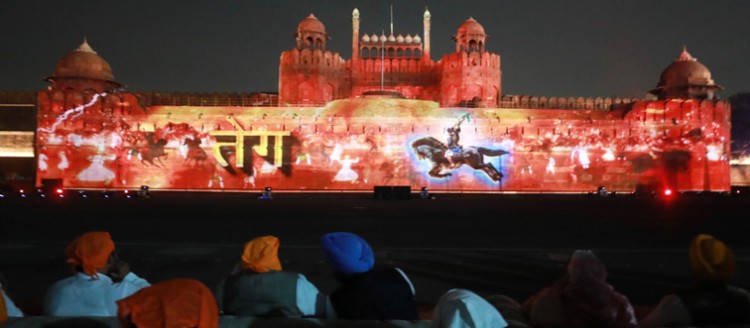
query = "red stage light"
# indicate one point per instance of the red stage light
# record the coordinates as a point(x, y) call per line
point(667, 192)
point(59, 190)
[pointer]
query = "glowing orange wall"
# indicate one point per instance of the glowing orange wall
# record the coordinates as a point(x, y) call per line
point(110, 141)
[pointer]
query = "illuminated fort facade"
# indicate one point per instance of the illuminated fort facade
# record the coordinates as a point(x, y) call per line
point(310, 73)
point(390, 115)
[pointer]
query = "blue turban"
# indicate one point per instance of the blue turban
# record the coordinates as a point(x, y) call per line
point(347, 252)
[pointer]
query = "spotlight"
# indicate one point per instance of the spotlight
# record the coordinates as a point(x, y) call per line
point(424, 193)
point(127, 194)
point(143, 192)
point(22, 193)
point(267, 193)
point(60, 192)
point(83, 194)
point(667, 192)
point(40, 193)
point(105, 194)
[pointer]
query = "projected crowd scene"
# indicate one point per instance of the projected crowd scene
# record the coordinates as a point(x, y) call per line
point(109, 142)
point(391, 115)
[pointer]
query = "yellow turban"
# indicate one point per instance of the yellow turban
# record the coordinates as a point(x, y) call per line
point(711, 259)
point(262, 254)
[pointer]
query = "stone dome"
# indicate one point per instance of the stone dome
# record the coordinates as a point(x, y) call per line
point(471, 27)
point(311, 24)
point(417, 39)
point(83, 63)
point(685, 70)
point(400, 39)
point(365, 38)
point(686, 77)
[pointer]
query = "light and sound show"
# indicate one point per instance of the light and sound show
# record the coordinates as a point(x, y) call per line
point(109, 141)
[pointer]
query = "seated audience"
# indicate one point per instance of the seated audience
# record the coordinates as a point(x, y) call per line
point(711, 301)
point(170, 303)
point(366, 293)
point(581, 298)
point(461, 308)
point(258, 287)
point(99, 279)
point(7, 307)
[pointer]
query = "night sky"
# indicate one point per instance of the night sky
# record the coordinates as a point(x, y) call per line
point(548, 47)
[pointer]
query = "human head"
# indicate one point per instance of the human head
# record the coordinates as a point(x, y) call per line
point(459, 308)
point(261, 255)
point(347, 252)
point(90, 252)
point(170, 303)
point(711, 259)
point(584, 266)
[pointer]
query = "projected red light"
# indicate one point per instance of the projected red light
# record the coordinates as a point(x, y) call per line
point(360, 143)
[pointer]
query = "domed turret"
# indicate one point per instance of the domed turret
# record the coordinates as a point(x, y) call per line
point(311, 34)
point(686, 78)
point(311, 24)
point(470, 36)
point(83, 69)
point(471, 27)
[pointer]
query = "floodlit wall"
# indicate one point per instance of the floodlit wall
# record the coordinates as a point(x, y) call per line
point(110, 141)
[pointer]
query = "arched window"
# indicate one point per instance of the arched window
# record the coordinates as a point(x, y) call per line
point(309, 41)
point(365, 52)
point(399, 52)
point(472, 46)
point(417, 53)
point(391, 52)
point(407, 53)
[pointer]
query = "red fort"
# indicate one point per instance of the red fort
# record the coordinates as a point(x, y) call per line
point(390, 115)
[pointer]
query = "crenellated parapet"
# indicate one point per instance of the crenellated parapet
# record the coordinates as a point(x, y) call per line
point(588, 103)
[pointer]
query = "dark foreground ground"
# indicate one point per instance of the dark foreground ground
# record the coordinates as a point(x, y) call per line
point(492, 244)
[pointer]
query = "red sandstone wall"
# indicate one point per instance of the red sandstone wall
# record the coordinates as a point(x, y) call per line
point(111, 141)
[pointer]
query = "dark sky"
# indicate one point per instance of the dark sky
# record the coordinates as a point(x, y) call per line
point(548, 47)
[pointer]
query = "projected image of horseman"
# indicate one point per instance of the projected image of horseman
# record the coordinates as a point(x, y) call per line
point(450, 156)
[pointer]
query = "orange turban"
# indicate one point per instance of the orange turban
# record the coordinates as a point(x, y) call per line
point(711, 259)
point(262, 254)
point(173, 303)
point(3, 309)
point(90, 251)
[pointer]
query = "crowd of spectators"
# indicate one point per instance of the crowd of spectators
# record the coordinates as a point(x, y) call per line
point(103, 286)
